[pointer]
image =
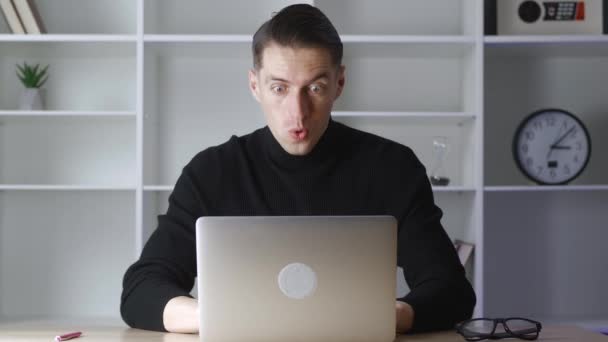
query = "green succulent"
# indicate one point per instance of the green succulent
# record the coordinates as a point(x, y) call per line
point(32, 76)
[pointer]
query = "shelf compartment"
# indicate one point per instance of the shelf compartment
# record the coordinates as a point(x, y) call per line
point(380, 76)
point(418, 135)
point(518, 86)
point(189, 86)
point(545, 254)
point(72, 151)
point(57, 249)
point(155, 203)
point(458, 118)
point(399, 17)
point(82, 76)
point(93, 17)
point(458, 213)
point(179, 141)
point(407, 77)
point(206, 17)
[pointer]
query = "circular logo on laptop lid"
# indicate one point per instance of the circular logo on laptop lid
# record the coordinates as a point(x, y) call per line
point(297, 281)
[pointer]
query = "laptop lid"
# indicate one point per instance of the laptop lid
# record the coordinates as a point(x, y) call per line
point(308, 278)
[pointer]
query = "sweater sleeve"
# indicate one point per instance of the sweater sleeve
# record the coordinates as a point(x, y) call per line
point(439, 293)
point(167, 265)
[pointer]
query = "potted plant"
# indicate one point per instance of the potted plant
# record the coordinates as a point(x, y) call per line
point(33, 78)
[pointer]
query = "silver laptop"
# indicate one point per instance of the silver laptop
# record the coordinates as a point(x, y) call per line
point(300, 278)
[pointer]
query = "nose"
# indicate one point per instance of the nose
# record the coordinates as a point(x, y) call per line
point(299, 106)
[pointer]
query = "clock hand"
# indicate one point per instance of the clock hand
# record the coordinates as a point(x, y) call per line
point(557, 147)
point(559, 131)
point(563, 136)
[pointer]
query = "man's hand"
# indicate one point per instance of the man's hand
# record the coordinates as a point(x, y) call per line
point(181, 315)
point(405, 317)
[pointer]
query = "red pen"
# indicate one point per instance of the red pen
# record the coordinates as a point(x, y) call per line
point(69, 336)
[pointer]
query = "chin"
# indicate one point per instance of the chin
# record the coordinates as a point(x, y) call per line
point(299, 150)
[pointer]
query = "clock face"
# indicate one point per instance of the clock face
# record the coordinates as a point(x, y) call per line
point(551, 146)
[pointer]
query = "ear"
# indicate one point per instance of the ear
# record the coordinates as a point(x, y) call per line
point(341, 81)
point(254, 84)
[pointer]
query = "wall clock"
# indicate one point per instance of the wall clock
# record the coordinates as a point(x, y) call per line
point(551, 146)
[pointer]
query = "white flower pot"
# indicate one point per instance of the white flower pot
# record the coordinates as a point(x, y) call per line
point(31, 99)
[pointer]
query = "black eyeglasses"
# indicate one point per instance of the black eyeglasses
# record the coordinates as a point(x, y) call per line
point(478, 329)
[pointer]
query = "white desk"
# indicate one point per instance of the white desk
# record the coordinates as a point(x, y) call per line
point(34, 331)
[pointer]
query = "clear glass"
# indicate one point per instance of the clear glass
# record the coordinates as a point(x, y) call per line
point(520, 325)
point(481, 326)
point(441, 148)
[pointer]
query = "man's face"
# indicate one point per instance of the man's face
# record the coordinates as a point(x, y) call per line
point(296, 88)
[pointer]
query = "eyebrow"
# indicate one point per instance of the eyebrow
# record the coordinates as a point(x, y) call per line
point(323, 74)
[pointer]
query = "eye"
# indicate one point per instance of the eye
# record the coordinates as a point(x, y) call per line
point(316, 88)
point(278, 89)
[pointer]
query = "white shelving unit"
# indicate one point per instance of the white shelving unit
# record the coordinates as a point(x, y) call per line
point(137, 88)
point(544, 255)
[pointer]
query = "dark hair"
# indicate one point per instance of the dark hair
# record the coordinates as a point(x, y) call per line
point(299, 25)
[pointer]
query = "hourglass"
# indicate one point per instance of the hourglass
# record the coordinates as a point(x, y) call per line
point(441, 148)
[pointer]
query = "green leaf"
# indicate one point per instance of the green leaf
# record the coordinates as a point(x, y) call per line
point(43, 82)
point(22, 69)
point(44, 70)
point(32, 76)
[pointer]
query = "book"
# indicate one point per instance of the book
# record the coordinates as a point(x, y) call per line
point(11, 16)
point(30, 17)
point(464, 250)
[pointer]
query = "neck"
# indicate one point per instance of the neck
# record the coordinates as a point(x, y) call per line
point(323, 150)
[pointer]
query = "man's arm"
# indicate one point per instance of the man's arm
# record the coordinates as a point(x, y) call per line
point(166, 268)
point(440, 294)
point(181, 315)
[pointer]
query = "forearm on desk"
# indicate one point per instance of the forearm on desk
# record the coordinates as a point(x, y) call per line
point(181, 315)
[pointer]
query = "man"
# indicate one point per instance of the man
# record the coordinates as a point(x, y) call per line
point(302, 163)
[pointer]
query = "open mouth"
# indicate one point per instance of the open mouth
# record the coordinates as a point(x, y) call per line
point(298, 133)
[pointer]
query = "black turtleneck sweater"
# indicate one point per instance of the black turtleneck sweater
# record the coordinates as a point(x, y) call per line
point(349, 172)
